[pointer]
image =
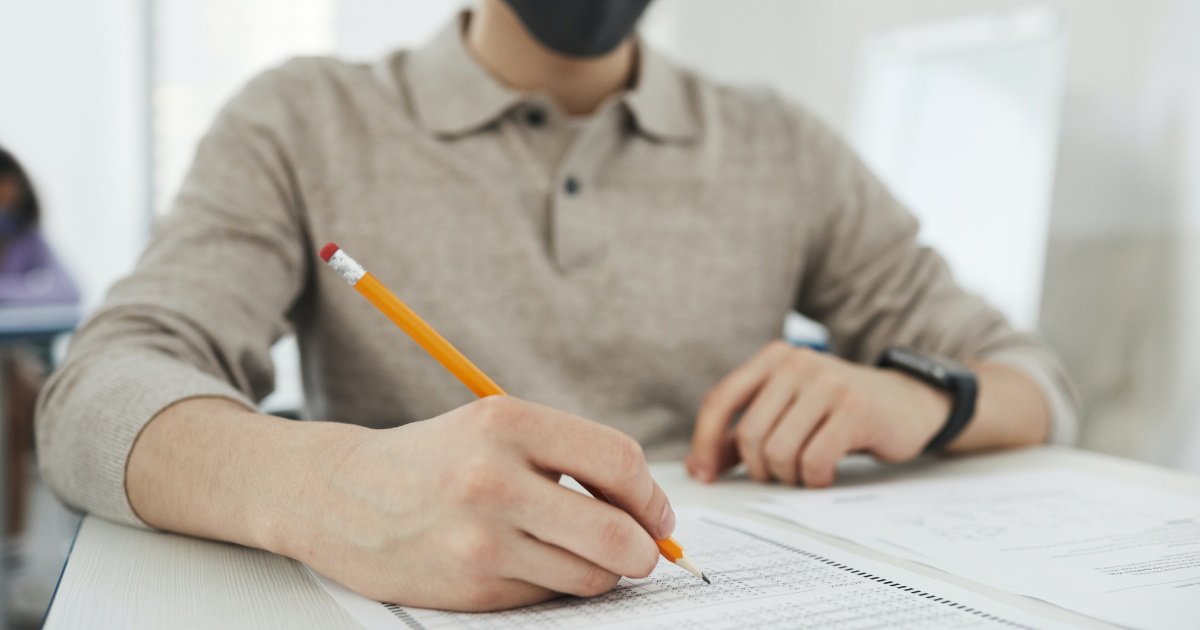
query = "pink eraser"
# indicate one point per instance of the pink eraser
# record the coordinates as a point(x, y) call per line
point(328, 251)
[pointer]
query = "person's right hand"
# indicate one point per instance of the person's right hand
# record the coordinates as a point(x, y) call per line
point(465, 512)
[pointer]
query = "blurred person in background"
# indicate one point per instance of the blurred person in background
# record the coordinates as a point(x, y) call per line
point(30, 276)
point(602, 232)
point(29, 273)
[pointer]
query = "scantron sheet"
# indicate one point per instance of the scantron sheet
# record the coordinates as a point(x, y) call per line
point(763, 578)
point(1098, 545)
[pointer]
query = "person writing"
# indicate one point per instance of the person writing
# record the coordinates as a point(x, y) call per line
point(613, 239)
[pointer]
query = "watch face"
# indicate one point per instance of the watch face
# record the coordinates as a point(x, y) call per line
point(912, 360)
point(937, 370)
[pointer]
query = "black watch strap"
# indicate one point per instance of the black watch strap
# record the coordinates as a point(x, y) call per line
point(941, 374)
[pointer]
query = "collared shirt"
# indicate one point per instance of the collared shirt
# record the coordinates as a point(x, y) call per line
point(616, 266)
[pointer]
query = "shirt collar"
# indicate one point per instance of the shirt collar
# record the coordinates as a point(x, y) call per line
point(661, 101)
point(453, 95)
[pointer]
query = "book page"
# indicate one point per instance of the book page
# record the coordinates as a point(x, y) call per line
point(762, 577)
point(1122, 552)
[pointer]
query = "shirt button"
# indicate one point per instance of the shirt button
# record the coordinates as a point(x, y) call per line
point(535, 117)
point(571, 185)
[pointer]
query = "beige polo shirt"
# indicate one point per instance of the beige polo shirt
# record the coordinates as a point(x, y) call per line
point(615, 267)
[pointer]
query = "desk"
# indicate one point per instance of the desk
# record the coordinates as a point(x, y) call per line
point(116, 578)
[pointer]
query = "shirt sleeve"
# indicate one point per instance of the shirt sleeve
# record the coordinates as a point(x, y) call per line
point(198, 315)
point(872, 284)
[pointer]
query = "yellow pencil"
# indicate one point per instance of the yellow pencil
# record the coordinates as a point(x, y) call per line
point(458, 364)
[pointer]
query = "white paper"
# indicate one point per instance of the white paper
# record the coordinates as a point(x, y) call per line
point(1125, 553)
point(763, 578)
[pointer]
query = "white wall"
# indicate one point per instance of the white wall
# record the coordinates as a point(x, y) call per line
point(367, 29)
point(961, 120)
point(204, 52)
point(73, 111)
point(1182, 51)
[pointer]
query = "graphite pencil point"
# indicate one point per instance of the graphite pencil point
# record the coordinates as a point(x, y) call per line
point(687, 564)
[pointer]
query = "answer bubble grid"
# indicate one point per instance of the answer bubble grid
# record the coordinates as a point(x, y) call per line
point(747, 573)
point(889, 583)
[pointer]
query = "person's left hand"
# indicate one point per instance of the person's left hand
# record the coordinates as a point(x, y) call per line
point(802, 411)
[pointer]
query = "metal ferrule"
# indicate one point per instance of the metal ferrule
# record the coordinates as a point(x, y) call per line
point(347, 267)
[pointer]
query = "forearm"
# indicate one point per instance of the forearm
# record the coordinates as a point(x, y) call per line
point(451, 512)
point(210, 467)
point(1010, 410)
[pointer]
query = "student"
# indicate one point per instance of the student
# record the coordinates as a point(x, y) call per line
point(30, 276)
point(29, 273)
point(613, 239)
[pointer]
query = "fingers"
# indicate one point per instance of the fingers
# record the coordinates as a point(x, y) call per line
point(790, 379)
point(783, 445)
point(711, 443)
point(803, 413)
point(526, 571)
point(521, 530)
point(614, 464)
point(592, 453)
point(834, 439)
point(590, 530)
point(549, 567)
point(760, 418)
point(489, 595)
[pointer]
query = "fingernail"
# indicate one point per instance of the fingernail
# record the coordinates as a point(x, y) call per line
point(666, 524)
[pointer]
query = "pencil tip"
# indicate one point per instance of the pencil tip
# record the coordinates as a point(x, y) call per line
point(687, 564)
point(705, 578)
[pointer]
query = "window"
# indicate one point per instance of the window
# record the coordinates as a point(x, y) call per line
point(960, 119)
point(204, 51)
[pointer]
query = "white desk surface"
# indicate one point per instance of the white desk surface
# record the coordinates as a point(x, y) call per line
point(120, 577)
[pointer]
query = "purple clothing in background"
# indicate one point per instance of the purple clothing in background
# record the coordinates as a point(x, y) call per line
point(30, 275)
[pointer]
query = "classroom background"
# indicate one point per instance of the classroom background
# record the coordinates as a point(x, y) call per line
point(1051, 150)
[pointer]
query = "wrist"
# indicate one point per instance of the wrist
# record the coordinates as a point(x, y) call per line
point(1011, 410)
point(936, 405)
point(959, 383)
point(930, 406)
point(305, 459)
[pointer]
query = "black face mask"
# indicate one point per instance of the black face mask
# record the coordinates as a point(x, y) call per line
point(579, 28)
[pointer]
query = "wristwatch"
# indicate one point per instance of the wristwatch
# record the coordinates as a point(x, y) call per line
point(942, 374)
